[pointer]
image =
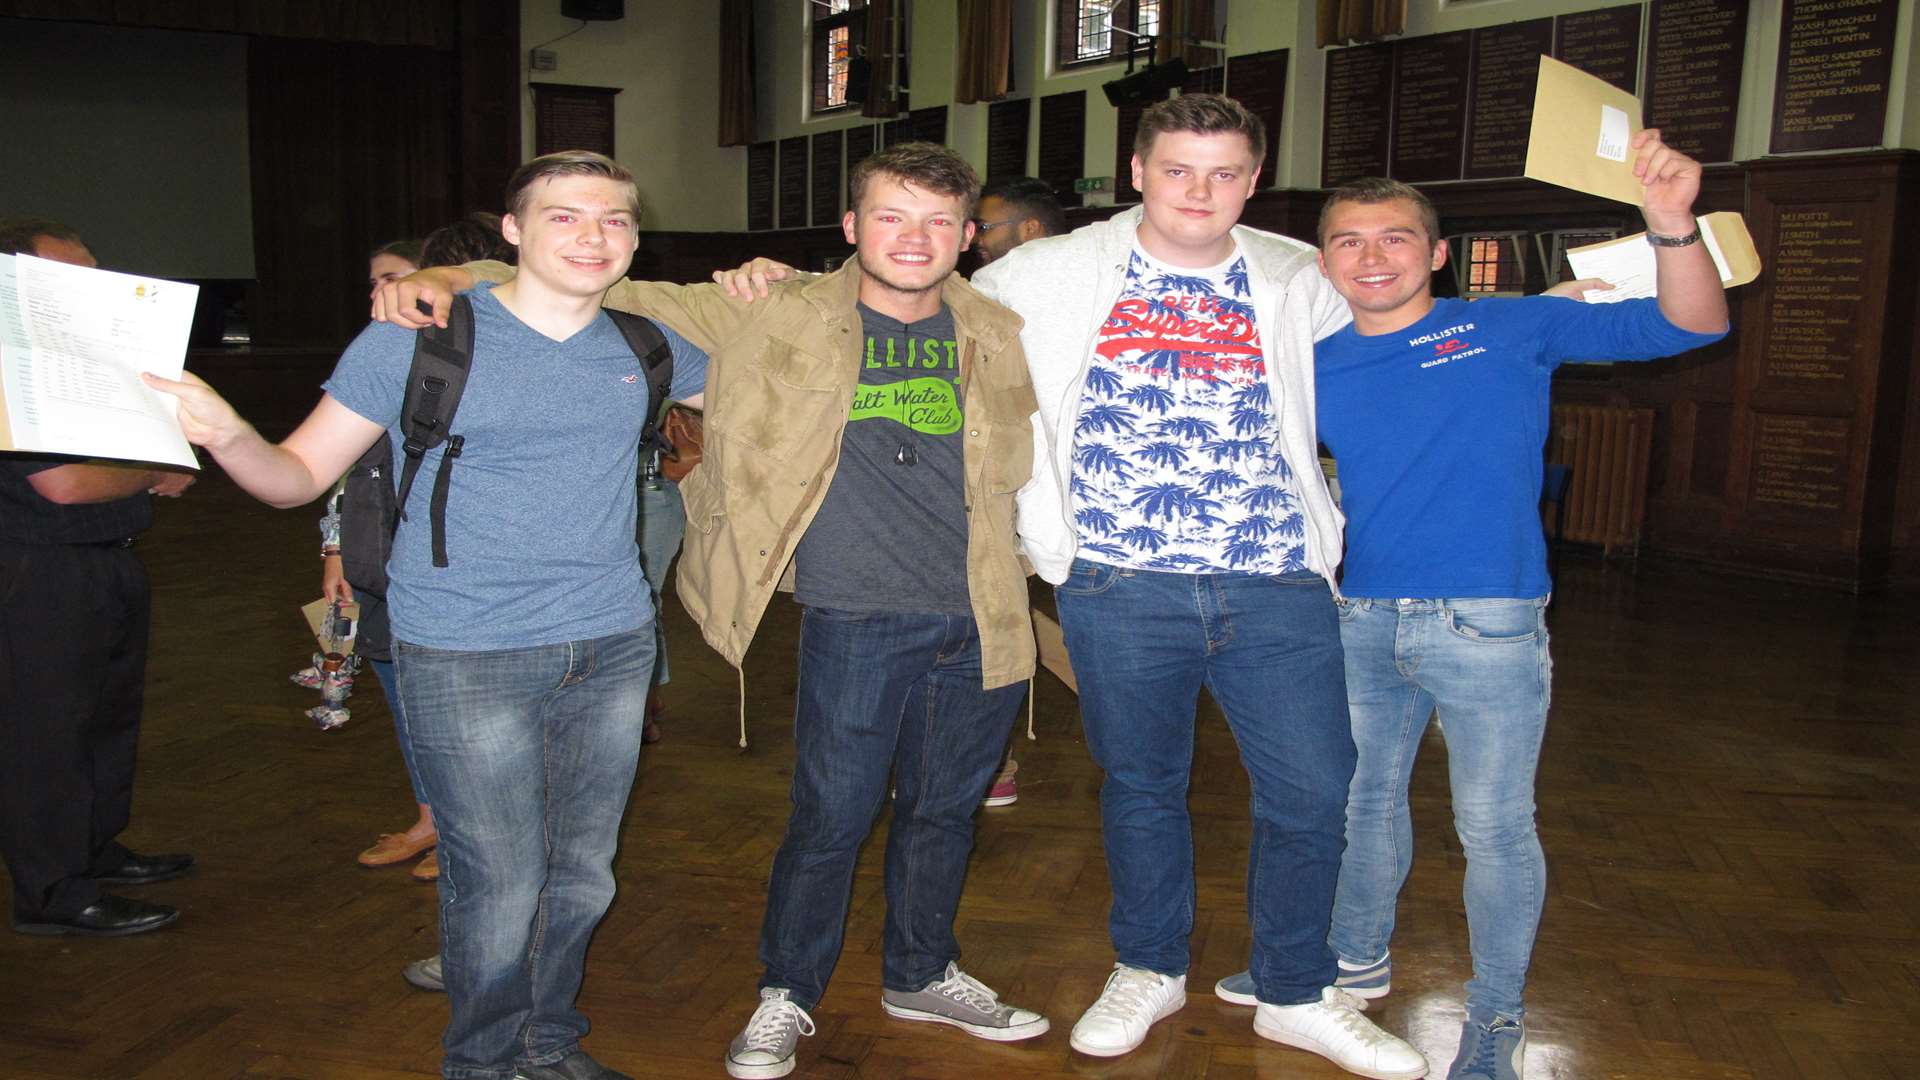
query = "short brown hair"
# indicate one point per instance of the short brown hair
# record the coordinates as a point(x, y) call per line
point(922, 164)
point(1201, 114)
point(568, 163)
point(1370, 190)
point(17, 234)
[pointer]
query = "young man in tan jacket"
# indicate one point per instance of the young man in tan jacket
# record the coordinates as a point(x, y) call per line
point(866, 432)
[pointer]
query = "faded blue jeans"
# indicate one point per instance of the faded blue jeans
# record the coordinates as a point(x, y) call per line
point(662, 523)
point(1267, 648)
point(1483, 665)
point(884, 697)
point(527, 757)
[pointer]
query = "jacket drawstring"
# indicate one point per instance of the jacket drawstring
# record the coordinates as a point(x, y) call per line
point(742, 672)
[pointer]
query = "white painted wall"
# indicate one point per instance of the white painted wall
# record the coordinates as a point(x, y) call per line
point(664, 56)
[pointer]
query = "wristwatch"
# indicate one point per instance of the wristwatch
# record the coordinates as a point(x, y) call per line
point(1660, 240)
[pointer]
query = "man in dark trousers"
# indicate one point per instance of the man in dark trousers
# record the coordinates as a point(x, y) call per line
point(74, 604)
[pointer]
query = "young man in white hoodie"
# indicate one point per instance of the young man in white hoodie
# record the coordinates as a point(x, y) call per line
point(1178, 507)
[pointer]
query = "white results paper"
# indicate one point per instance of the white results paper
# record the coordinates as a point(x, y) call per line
point(73, 342)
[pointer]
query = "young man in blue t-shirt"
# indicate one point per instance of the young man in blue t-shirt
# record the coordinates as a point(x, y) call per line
point(523, 664)
point(1437, 411)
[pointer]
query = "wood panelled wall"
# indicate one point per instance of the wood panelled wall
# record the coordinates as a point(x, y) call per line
point(1737, 430)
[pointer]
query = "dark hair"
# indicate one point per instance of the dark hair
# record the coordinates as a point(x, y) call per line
point(567, 163)
point(1202, 114)
point(922, 164)
point(1031, 199)
point(17, 234)
point(470, 239)
point(405, 249)
point(1369, 190)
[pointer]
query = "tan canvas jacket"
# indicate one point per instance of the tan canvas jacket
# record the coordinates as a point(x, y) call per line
point(778, 394)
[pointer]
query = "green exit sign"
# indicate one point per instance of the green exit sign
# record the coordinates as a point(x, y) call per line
point(1093, 183)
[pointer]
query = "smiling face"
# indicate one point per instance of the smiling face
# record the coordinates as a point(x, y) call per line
point(1379, 257)
point(575, 233)
point(1192, 189)
point(908, 240)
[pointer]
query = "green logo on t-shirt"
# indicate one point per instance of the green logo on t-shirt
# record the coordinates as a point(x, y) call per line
point(926, 404)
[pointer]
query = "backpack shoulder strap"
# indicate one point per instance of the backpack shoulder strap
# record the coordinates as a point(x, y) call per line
point(441, 360)
point(656, 359)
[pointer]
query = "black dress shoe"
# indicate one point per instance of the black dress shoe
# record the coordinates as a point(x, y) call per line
point(138, 869)
point(109, 916)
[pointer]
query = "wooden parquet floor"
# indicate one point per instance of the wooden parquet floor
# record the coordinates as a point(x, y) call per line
point(1728, 802)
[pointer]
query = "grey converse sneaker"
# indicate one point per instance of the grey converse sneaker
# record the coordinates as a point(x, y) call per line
point(426, 974)
point(1490, 1051)
point(966, 1003)
point(1364, 983)
point(765, 1048)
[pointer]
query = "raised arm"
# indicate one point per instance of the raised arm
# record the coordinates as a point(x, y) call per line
point(703, 314)
point(289, 473)
point(1691, 296)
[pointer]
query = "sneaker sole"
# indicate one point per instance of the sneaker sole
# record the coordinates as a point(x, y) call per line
point(991, 1034)
point(760, 1072)
point(1233, 997)
point(1173, 1006)
point(1000, 800)
point(422, 982)
point(1288, 1038)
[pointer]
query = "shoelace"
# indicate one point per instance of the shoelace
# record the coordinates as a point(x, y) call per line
point(1485, 1048)
point(768, 1028)
point(1126, 993)
point(1346, 1010)
point(969, 991)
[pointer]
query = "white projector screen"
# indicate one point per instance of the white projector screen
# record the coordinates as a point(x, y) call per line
point(136, 138)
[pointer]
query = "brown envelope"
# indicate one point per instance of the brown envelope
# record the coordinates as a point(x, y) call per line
point(1581, 128)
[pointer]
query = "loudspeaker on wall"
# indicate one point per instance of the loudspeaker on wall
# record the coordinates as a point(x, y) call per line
point(593, 9)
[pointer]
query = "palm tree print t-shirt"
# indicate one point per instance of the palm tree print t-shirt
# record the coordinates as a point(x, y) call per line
point(1176, 463)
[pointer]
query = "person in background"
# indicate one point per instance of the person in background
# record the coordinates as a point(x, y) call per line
point(74, 613)
point(1011, 212)
point(391, 262)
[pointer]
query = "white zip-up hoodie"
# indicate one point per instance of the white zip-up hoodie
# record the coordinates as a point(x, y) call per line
point(1066, 286)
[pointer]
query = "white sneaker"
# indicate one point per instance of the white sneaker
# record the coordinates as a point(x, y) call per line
point(1333, 1028)
point(1133, 1000)
point(766, 1047)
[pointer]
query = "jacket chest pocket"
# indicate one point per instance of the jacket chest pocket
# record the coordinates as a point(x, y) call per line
point(1006, 423)
point(781, 401)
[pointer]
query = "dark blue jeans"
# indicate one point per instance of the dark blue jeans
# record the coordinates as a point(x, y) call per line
point(880, 694)
point(1143, 643)
point(527, 757)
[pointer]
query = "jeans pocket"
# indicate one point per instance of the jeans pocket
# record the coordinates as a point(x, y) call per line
point(1348, 609)
point(1505, 622)
point(1088, 578)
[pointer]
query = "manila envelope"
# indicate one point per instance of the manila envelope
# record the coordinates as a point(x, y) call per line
point(1628, 262)
point(1581, 129)
point(316, 613)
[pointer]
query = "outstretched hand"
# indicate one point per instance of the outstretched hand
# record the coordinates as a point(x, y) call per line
point(1577, 288)
point(750, 279)
point(205, 417)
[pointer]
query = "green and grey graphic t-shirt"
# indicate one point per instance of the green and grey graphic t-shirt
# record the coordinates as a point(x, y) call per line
point(891, 534)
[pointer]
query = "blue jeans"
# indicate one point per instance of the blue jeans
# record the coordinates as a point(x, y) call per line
point(1483, 664)
point(527, 757)
point(663, 524)
point(383, 673)
point(882, 693)
point(1143, 643)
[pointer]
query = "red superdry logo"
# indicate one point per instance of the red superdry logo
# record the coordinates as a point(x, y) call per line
point(1451, 345)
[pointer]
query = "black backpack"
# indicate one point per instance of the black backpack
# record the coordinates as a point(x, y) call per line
point(370, 508)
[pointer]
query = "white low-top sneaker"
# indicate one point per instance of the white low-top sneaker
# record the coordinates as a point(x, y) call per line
point(1333, 1028)
point(1133, 1000)
point(765, 1048)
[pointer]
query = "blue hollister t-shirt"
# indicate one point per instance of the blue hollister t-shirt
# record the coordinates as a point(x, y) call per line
point(540, 512)
point(1439, 430)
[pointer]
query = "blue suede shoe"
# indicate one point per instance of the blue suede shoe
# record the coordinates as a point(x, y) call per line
point(1490, 1050)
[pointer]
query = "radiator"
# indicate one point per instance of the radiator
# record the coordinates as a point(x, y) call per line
point(1607, 447)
